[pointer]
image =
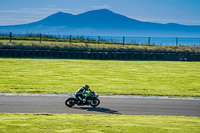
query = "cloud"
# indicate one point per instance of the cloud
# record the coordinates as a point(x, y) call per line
point(54, 9)
point(16, 20)
point(36, 10)
point(101, 6)
point(43, 11)
point(27, 15)
point(50, 5)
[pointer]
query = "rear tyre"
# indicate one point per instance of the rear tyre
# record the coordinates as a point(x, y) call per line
point(95, 103)
point(70, 102)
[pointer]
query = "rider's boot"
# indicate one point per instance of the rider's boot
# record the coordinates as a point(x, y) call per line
point(84, 100)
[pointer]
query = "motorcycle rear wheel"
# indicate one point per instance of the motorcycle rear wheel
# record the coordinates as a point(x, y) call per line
point(95, 103)
point(70, 102)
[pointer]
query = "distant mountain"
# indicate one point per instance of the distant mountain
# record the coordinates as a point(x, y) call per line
point(102, 22)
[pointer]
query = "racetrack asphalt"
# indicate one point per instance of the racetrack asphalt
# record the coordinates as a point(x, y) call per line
point(108, 105)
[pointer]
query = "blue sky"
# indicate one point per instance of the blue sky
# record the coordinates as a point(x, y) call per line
point(161, 11)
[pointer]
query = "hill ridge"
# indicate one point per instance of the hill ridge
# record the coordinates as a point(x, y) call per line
point(102, 22)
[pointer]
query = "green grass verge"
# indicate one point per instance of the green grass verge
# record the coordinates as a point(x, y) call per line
point(105, 77)
point(24, 44)
point(81, 123)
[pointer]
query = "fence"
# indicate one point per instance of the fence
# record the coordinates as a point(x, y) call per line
point(166, 41)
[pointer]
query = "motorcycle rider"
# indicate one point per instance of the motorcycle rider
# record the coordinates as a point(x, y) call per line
point(81, 93)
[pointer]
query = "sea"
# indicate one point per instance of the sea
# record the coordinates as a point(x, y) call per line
point(168, 41)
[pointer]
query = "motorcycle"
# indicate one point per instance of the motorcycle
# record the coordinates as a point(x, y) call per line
point(91, 99)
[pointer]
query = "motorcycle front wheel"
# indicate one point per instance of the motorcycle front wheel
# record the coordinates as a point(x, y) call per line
point(70, 102)
point(95, 103)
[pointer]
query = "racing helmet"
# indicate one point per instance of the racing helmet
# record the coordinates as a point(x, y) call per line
point(86, 87)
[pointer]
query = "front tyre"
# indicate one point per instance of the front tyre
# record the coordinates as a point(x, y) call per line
point(70, 102)
point(95, 103)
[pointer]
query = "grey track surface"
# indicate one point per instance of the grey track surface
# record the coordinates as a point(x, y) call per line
point(124, 106)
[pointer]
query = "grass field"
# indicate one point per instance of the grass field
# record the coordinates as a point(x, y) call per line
point(105, 77)
point(79, 123)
